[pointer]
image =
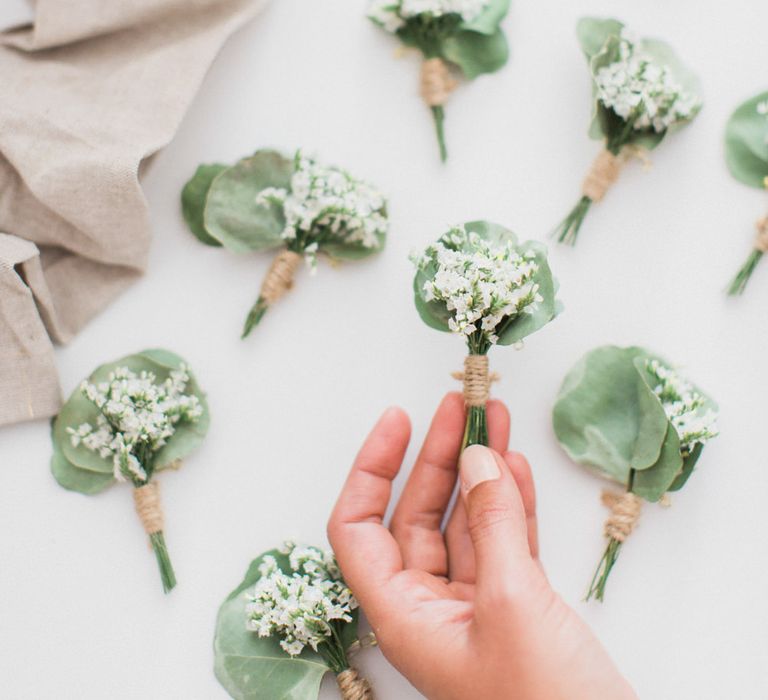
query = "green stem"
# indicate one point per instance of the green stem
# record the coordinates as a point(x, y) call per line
point(739, 282)
point(476, 429)
point(568, 231)
point(254, 316)
point(163, 561)
point(603, 571)
point(439, 116)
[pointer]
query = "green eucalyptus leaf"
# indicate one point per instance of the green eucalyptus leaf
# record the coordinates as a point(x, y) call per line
point(74, 479)
point(78, 410)
point(193, 198)
point(476, 53)
point(488, 21)
point(256, 668)
point(433, 313)
point(600, 411)
point(746, 142)
point(232, 215)
point(340, 250)
point(546, 310)
point(652, 483)
point(593, 33)
point(689, 463)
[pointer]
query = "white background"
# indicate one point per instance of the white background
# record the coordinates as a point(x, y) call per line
point(82, 614)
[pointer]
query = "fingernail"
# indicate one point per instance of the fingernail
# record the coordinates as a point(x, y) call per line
point(476, 465)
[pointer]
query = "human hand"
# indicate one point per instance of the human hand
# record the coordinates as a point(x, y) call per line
point(465, 612)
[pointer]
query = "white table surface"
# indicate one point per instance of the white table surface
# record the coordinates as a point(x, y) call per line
point(82, 614)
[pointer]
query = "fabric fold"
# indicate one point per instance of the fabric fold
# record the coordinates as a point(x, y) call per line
point(90, 92)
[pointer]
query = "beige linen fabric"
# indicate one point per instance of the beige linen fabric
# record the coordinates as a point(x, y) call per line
point(88, 94)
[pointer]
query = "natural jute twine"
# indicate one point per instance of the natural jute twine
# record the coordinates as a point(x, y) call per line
point(437, 83)
point(477, 380)
point(761, 239)
point(603, 173)
point(353, 686)
point(625, 512)
point(147, 501)
point(280, 276)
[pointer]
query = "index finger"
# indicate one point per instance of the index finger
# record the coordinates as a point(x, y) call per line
point(365, 550)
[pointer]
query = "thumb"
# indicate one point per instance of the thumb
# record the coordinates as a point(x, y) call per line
point(495, 518)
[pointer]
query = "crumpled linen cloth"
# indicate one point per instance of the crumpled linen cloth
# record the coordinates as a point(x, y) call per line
point(88, 93)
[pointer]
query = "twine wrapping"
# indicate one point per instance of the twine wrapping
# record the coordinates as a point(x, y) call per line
point(280, 276)
point(353, 686)
point(603, 173)
point(625, 512)
point(477, 380)
point(761, 239)
point(147, 501)
point(437, 83)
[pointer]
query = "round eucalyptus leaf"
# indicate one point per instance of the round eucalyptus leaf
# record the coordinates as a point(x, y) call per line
point(746, 142)
point(78, 409)
point(689, 463)
point(75, 479)
point(604, 417)
point(341, 250)
point(476, 53)
point(488, 21)
point(543, 312)
point(256, 668)
point(232, 214)
point(193, 198)
point(652, 483)
point(593, 33)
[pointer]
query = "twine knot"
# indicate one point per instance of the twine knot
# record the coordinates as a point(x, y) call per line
point(761, 239)
point(625, 512)
point(280, 276)
point(477, 380)
point(353, 686)
point(602, 174)
point(146, 499)
point(437, 83)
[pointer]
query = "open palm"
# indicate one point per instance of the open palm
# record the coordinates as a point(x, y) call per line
point(463, 609)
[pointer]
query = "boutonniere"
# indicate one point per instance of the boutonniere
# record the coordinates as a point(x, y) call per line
point(628, 416)
point(129, 420)
point(641, 92)
point(290, 621)
point(452, 35)
point(299, 205)
point(746, 152)
point(479, 282)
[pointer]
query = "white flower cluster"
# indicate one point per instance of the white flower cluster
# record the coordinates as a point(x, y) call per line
point(135, 411)
point(300, 605)
point(393, 14)
point(683, 404)
point(637, 87)
point(326, 204)
point(485, 286)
